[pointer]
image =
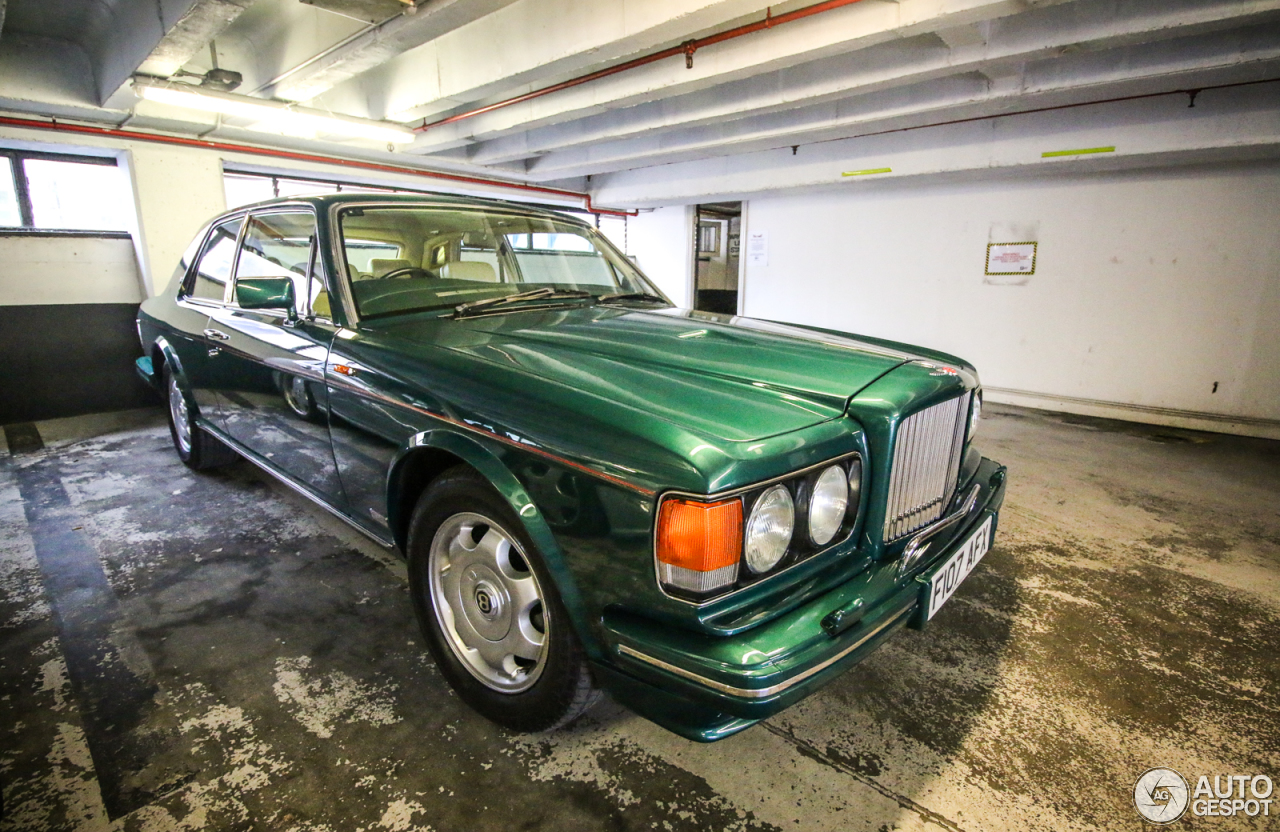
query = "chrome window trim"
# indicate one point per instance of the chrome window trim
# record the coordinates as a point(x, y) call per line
point(195, 264)
point(738, 492)
point(761, 693)
point(340, 256)
point(249, 216)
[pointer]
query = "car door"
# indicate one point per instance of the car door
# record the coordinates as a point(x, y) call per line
point(203, 291)
point(269, 369)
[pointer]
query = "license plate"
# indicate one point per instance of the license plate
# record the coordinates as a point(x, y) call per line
point(948, 577)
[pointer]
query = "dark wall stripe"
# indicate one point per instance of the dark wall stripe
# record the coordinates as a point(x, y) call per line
point(114, 699)
point(68, 360)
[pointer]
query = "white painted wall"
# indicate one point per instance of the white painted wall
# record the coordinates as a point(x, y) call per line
point(178, 189)
point(1150, 286)
point(53, 270)
point(662, 242)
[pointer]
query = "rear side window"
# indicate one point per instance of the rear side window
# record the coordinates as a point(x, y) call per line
point(213, 270)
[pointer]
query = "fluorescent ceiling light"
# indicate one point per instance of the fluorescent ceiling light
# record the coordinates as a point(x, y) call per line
point(270, 116)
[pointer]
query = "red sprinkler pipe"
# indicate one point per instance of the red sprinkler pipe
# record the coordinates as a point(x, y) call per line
point(134, 135)
point(686, 48)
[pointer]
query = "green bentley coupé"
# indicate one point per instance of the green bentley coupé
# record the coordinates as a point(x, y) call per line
point(707, 516)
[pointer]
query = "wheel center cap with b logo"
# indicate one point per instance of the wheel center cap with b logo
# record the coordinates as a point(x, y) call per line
point(485, 602)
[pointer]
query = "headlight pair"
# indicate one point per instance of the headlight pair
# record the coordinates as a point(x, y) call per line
point(773, 518)
point(700, 544)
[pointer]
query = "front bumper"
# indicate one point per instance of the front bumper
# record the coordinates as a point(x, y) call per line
point(706, 687)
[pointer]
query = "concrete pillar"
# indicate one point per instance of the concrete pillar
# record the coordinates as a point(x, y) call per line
point(177, 190)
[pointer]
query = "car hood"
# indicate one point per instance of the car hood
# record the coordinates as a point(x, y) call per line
point(727, 378)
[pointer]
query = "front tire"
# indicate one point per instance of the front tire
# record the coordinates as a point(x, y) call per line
point(196, 448)
point(489, 611)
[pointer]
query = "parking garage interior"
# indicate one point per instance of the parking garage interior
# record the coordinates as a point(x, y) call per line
point(1081, 198)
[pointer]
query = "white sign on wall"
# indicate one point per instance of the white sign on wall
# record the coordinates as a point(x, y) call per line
point(1011, 258)
point(758, 248)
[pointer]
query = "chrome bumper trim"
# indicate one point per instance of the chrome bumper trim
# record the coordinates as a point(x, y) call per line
point(919, 544)
point(761, 693)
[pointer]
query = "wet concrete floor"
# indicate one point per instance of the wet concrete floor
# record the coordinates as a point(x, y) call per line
point(184, 651)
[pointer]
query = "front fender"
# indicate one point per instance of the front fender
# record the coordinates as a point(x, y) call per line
point(174, 363)
point(486, 460)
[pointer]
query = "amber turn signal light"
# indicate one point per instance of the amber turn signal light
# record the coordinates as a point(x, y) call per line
point(699, 544)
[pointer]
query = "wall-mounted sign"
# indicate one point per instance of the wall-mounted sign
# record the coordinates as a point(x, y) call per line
point(758, 248)
point(1011, 258)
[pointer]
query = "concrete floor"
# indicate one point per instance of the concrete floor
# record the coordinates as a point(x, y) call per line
point(191, 652)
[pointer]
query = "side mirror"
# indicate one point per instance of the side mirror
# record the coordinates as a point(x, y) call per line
point(265, 293)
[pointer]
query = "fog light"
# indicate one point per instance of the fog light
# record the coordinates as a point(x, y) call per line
point(827, 506)
point(773, 518)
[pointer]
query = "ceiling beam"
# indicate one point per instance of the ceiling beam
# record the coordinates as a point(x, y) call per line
point(1238, 123)
point(203, 22)
point(378, 44)
point(531, 43)
point(995, 52)
point(842, 30)
point(1177, 64)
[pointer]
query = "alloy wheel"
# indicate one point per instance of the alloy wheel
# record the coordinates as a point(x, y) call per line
point(178, 412)
point(488, 603)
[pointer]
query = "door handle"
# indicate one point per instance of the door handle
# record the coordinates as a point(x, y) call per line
point(216, 335)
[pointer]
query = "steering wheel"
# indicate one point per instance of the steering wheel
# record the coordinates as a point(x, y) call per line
point(407, 271)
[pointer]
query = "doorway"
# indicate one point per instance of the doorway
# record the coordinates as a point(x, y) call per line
point(717, 235)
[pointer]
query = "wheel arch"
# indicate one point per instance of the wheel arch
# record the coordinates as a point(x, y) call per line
point(430, 453)
point(164, 355)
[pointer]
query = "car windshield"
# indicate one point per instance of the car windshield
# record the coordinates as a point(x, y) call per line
point(412, 259)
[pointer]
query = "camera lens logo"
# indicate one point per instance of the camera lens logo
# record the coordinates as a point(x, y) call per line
point(1161, 795)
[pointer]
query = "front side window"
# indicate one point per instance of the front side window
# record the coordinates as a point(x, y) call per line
point(213, 270)
point(412, 259)
point(280, 245)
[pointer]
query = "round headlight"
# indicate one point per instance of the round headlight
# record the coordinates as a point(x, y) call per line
point(773, 518)
point(975, 412)
point(827, 505)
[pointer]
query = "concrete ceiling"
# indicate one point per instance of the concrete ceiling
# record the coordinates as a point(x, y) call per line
point(819, 87)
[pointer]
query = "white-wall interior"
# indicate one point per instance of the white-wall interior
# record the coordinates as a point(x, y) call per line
point(42, 270)
point(1157, 289)
point(661, 240)
point(178, 189)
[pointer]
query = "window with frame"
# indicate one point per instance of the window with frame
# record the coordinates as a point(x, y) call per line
point(281, 244)
point(60, 192)
point(213, 270)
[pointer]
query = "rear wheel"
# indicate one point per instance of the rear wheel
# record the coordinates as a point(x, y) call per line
point(489, 611)
point(196, 448)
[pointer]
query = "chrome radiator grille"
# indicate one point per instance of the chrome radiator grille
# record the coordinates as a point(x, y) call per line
point(926, 462)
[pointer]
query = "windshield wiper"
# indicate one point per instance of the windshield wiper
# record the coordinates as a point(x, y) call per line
point(644, 296)
point(545, 293)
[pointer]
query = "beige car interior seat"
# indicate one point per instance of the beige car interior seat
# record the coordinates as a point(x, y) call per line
point(381, 266)
point(469, 270)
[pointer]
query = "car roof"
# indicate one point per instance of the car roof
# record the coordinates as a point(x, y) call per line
point(321, 202)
